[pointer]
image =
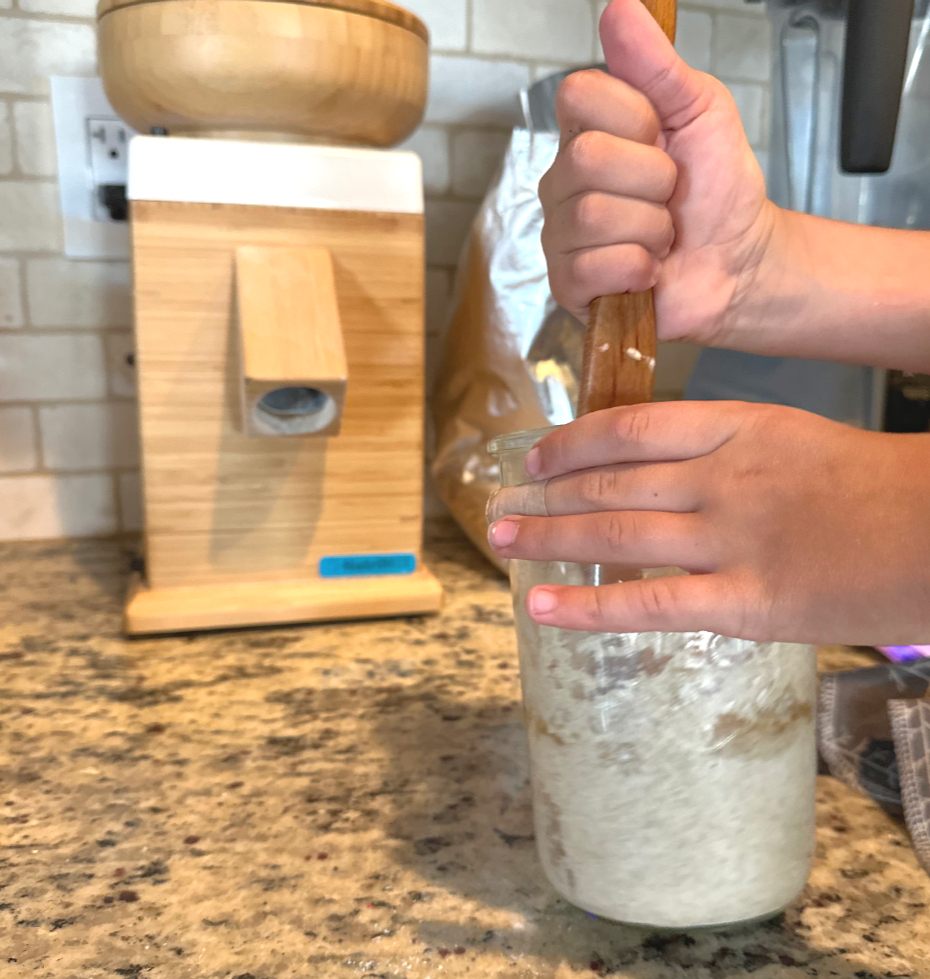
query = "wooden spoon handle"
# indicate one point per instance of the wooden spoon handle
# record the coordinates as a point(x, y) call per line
point(619, 353)
point(620, 344)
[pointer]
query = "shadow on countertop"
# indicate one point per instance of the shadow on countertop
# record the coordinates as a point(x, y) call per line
point(464, 823)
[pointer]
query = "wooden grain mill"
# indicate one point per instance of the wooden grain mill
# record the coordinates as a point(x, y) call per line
point(278, 290)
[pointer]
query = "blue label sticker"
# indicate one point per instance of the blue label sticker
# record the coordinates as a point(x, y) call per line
point(358, 565)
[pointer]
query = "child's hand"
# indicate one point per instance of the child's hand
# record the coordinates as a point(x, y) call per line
point(795, 528)
point(655, 185)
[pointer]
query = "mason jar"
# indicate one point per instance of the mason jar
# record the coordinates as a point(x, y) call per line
point(673, 774)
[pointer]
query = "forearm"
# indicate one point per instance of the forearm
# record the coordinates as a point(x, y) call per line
point(833, 291)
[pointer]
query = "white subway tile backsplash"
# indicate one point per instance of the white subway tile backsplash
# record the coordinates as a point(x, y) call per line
point(431, 144)
point(447, 21)
point(130, 501)
point(11, 298)
point(121, 363)
point(695, 34)
point(447, 224)
point(541, 71)
point(68, 8)
point(54, 367)
point(557, 30)
point(35, 139)
point(471, 90)
point(75, 354)
point(750, 100)
point(41, 507)
point(756, 7)
point(742, 49)
point(476, 155)
point(29, 216)
point(67, 293)
point(599, 9)
point(6, 140)
point(101, 436)
point(17, 440)
point(31, 50)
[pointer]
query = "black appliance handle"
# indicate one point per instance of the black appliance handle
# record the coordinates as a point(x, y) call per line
point(877, 34)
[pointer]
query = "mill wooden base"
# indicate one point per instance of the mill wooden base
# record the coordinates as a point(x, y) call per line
point(226, 606)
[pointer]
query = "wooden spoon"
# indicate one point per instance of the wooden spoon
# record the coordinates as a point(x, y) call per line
point(620, 344)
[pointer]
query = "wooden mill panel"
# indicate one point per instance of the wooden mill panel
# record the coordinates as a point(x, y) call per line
point(224, 507)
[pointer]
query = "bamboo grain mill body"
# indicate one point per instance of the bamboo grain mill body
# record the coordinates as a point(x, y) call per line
point(278, 295)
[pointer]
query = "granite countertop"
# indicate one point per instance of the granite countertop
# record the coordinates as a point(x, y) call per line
point(337, 801)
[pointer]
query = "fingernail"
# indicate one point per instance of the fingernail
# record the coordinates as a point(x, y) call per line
point(503, 533)
point(533, 462)
point(542, 602)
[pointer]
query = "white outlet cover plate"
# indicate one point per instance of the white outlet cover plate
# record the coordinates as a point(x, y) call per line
point(87, 235)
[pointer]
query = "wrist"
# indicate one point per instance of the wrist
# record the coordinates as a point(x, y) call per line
point(762, 274)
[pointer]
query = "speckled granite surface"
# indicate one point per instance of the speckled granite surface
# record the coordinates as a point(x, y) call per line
point(337, 801)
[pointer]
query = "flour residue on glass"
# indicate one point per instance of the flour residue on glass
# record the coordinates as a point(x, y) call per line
point(673, 774)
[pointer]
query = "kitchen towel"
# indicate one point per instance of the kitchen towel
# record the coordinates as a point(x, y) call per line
point(874, 735)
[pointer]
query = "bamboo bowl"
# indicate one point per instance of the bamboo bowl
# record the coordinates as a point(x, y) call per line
point(349, 71)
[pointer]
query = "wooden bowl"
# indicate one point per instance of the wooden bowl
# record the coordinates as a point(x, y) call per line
point(349, 71)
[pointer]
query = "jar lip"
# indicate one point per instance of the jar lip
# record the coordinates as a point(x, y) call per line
point(518, 440)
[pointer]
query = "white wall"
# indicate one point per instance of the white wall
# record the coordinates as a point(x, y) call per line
point(68, 448)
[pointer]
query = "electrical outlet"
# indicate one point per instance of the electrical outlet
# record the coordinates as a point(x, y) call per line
point(108, 149)
point(93, 150)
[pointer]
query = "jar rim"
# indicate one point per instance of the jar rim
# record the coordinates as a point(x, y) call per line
point(516, 441)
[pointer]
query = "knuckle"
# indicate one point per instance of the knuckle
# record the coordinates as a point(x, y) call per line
point(644, 120)
point(568, 95)
point(573, 92)
point(595, 609)
point(658, 601)
point(597, 487)
point(642, 269)
point(553, 451)
point(667, 232)
point(586, 212)
point(667, 176)
point(582, 270)
point(633, 426)
point(545, 237)
point(543, 188)
point(616, 531)
point(549, 536)
point(564, 285)
point(761, 419)
point(745, 604)
point(584, 151)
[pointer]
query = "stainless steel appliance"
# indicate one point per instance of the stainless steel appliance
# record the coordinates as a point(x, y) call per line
point(851, 141)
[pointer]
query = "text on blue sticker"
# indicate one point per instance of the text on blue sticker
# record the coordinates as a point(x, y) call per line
point(357, 565)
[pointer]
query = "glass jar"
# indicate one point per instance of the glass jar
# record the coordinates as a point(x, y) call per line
point(673, 773)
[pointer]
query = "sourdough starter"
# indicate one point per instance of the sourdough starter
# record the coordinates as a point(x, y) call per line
point(673, 774)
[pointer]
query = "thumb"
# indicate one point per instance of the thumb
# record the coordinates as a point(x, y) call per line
point(639, 53)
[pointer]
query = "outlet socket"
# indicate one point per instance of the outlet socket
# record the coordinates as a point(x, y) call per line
point(92, 144)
